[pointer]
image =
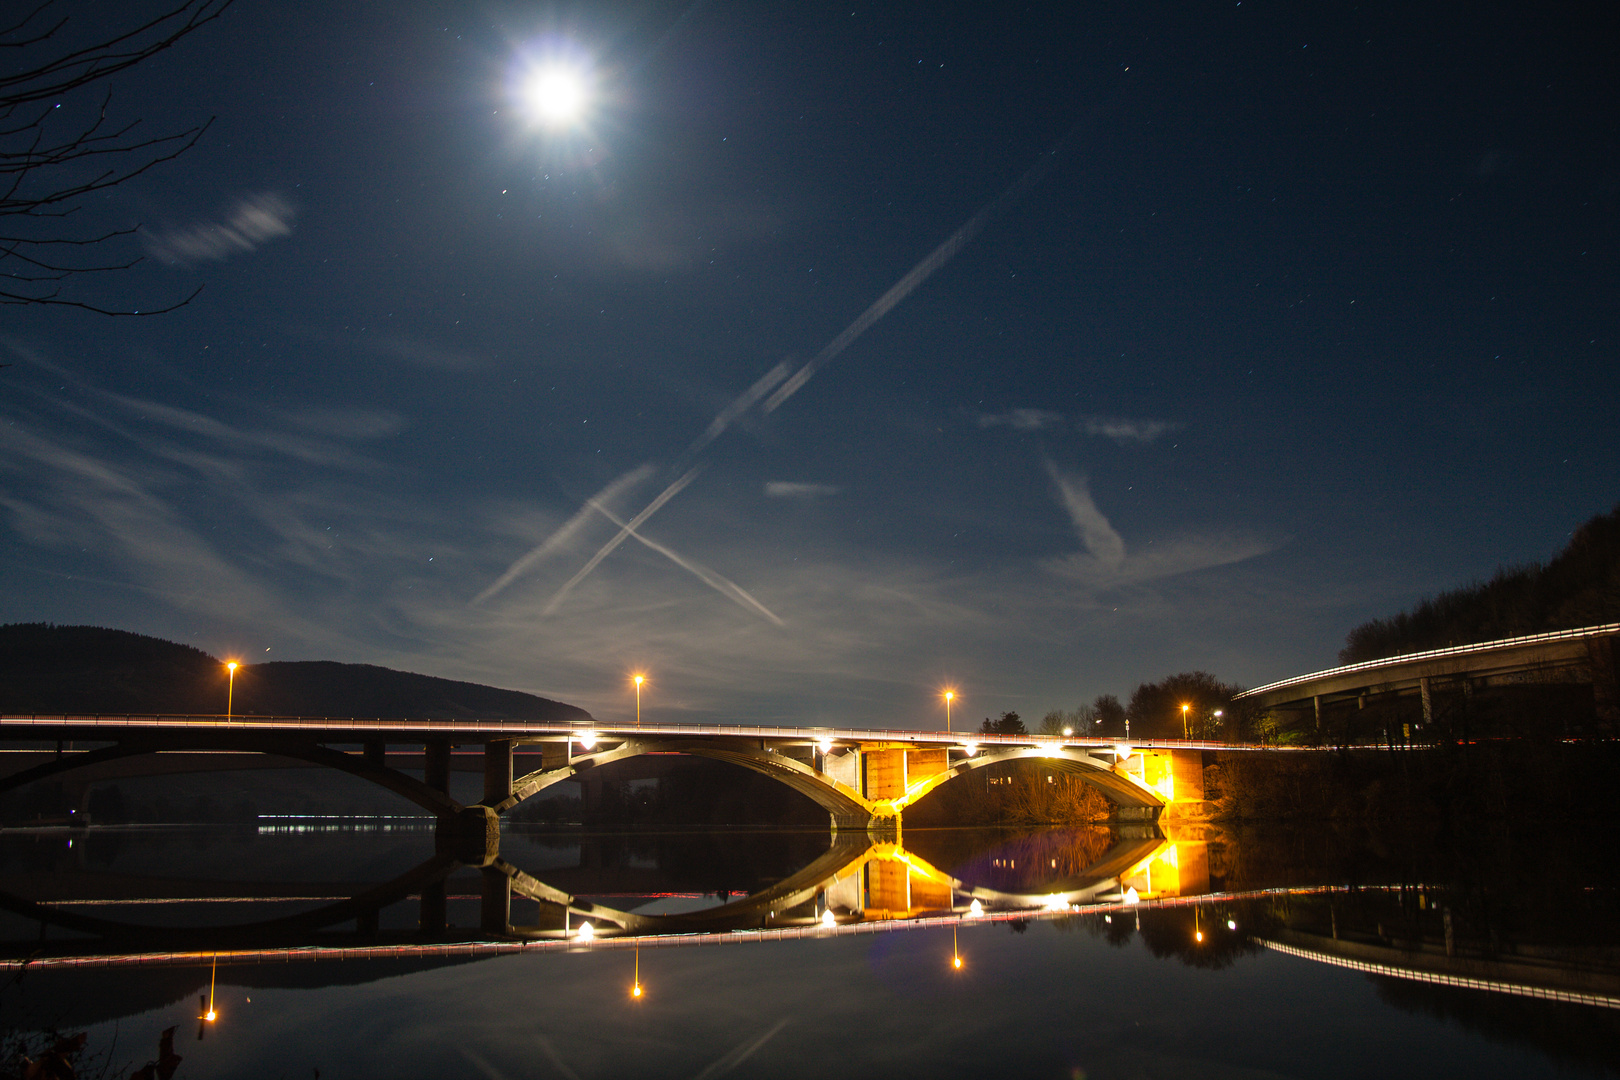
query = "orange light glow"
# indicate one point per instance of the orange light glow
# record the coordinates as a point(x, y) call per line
point(635, 991)
point(956, 961)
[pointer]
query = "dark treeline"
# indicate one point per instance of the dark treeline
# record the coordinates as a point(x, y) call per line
point(1579, 587)
point(91, 669)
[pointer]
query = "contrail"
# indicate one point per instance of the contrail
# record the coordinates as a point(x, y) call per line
point(624, 531)
point(728, 589)
point(742, 404)
point(919, 274)
point(740, 1054)
point(564, 534)
point(884, 304)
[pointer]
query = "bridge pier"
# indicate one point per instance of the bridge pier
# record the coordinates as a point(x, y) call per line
point(497, 772)
point(495, 906)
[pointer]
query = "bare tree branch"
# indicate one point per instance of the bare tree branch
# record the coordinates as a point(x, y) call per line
point(48, 166)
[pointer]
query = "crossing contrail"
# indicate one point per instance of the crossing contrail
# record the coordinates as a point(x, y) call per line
point(567, 532)
point(780, 386)
point(624, 531)
point(729, 589)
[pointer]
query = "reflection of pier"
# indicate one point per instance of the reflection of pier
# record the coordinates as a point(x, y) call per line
point(855, 882)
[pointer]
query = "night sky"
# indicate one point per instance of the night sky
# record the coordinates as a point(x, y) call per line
point(1229, 326)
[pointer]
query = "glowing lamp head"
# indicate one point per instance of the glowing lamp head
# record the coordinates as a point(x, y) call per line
point(824, 745)
point(975, 909)
point(1199, 936)
point(1132, 896)
point(231, 666)
point(635, 991)
point(956, 962)
point(209, 1016)
point(950, 695)
point(587, 740)
point(827, 920)
point(586, 932)
point(1068, 731)
point(639, 679)
point(970, 748)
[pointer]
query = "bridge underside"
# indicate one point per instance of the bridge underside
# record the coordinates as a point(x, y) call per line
point(863, 786)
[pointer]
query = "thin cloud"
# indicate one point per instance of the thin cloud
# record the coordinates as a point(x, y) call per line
point(252, 222)
point(787, 489)
point(1126, 431)
point(1105, 545)
point(1022, 419)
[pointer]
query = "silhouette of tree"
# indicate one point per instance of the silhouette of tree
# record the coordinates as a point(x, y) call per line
point(1009, 724)
point(1155, 708)
point(57, 148)
point(1110, 715)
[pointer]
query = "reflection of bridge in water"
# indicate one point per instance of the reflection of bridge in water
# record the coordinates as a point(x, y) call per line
point(863, 779)
point(857, 882)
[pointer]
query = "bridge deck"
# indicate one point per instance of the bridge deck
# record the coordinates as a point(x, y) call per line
point(363, 729)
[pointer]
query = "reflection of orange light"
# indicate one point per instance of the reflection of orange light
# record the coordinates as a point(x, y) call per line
point(209, 1016)
point(956, 961)
point(636, 990)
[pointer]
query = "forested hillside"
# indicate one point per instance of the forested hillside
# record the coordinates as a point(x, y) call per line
point(91, 669)
point(1579, 587)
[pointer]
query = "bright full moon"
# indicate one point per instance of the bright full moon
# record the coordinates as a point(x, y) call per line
point(556, 96)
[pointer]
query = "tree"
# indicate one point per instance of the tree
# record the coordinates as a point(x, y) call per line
point(1077, 721)
point(58, 146)
point(1110, 715)
point(1156, 708)
point(1009, 724)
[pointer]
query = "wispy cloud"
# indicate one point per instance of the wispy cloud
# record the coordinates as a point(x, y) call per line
point(1022, 419)
point(1126, 431)
point(787, 489)
point(251, 223)
point(1104, 545)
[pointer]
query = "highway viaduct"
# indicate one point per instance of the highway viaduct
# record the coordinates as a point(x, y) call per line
point(1585, 655)
point(864, 779)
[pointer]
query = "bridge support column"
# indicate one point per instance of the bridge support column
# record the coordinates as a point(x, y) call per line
point(473, 835)
point(1605, 686)
point(436, 766)
point(497, 772)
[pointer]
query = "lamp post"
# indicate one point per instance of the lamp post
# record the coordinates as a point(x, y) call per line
point(230, 688)
point(950, 695)
point(1184, 709)
point(1218, 714)
point(639, 680)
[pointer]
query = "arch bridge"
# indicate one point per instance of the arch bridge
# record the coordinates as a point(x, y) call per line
point(864, 779)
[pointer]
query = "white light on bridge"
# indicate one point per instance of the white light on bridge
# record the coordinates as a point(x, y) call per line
point(827, 920)
point(586, 932)
point(587, 739)
point(1132, 896)
point(824, 745)
point(975, 910)
point(970, 748)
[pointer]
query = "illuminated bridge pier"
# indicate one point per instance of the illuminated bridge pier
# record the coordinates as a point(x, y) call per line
point(864, 779)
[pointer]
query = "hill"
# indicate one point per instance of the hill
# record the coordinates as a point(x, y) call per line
point(91, 669)
point(1579, 587)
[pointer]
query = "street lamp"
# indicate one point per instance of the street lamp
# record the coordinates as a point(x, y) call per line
point(639, 679)
point(1184, 709)
point(230, 687)
point(1218, 714)
point(950, 695)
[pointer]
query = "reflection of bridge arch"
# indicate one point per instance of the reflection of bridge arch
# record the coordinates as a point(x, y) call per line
point(850, 868)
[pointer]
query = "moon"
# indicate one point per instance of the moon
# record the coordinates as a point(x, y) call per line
point(557, 96)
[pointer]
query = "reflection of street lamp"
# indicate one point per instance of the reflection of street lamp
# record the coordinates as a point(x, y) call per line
point(950, 695)
point(230, 688)
point(639, 679)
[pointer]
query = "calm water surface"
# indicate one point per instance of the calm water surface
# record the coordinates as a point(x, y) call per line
point(1091, 953)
